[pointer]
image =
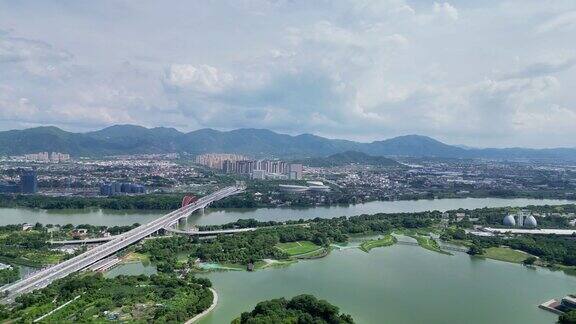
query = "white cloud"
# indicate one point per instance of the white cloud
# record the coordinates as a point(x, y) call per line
point(563, 21)
point(446, 9)
point(483, 73)
point(202, 78)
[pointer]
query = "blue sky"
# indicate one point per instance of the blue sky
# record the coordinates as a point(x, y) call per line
point(480, 73)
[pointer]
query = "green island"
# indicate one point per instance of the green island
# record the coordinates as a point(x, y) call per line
point(386, 240)
point(91, 298)
point(299, 309)
point(429, 244)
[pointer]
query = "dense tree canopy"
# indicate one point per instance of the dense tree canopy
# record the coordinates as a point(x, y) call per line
point(300, 309)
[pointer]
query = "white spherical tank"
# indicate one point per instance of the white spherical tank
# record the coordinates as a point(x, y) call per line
point(530, 221)
point(509, 220)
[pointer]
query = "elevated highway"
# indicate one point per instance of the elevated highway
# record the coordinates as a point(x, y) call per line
point(45, 276)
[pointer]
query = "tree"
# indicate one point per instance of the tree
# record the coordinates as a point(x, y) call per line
point(568, 318)
point(529, 260)
point(475, 250)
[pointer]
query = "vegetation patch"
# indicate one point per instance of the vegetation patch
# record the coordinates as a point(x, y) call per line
point(298, 247)
point(505, 254)
point(387, 240)
point(136, 257)
point(9, 275)
point(429, 244)
point(93, 298)
point(300, 309)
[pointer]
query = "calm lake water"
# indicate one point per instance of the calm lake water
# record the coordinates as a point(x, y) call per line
point(221, 216)
point(401, 284)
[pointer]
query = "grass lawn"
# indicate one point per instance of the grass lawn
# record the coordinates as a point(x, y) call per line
point(136, 257)
point(387, 240)
point(429, 244)
point(297, 248)
point(505, 254)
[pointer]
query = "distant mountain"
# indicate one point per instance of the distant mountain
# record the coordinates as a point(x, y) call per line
point(414, 146)
point(130, 139)
point(349, 157)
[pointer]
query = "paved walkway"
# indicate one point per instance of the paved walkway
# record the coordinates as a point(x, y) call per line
point(204, 313)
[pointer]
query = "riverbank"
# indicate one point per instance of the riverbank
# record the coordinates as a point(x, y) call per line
point(207, 311)
point(212, 216)
point(172, 201)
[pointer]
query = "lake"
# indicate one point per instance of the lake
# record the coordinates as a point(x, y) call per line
point(401, 284)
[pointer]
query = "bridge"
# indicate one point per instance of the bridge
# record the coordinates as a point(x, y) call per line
point(44, 277)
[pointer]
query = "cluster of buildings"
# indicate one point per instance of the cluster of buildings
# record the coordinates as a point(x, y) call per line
point(216, 160)
point(521, 219)
point(117, 188)
point(28, 184)
point(257, 169)
point(47, 157)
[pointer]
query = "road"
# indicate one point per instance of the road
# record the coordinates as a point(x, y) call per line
point(210, 233)
point(45, 276)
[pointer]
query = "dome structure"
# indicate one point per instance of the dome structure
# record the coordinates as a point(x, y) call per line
point(509, 220)
point(530, 221)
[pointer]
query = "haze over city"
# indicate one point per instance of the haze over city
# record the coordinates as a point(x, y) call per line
point(486, 74)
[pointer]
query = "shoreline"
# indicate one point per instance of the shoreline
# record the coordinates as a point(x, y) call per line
point(90, 208)
point(208, 310)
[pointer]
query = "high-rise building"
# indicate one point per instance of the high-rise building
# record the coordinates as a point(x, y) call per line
point(59, 157)
point(217, 160)
point(295, 171)
point(29, 182)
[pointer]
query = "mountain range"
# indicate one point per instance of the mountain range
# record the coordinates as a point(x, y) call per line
point(348, 157)
point(130, 139)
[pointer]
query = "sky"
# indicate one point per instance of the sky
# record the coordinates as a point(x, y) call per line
point(478, 73)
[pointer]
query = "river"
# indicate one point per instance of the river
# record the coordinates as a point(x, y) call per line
point(222, 216)
point(398, 284)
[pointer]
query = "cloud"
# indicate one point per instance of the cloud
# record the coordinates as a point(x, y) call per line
point(14, 49)
point(204, 78)
point(472, 73)
point(445, 9)
point(542, 68)
point(561, 22)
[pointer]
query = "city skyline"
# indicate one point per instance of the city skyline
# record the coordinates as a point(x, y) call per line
point(361, 70)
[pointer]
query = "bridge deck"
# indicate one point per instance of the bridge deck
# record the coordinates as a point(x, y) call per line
point(44, 277)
